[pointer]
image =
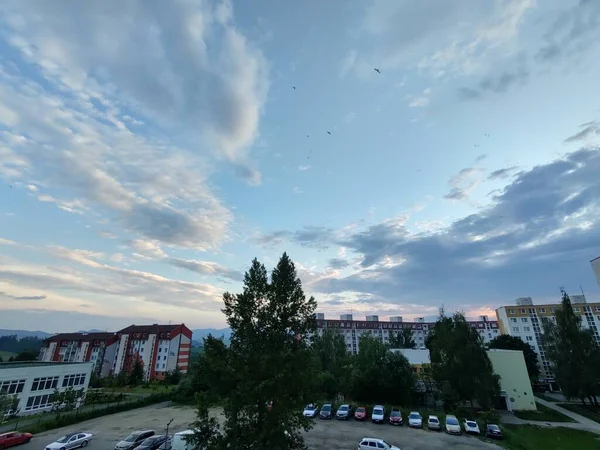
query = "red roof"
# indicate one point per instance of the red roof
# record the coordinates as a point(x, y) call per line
point(97, 336)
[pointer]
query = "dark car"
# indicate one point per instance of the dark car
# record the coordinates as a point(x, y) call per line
point(326, 411)
point(14, 438)
point(344, 412)
point(395, 417)
point(493, 431)
point(134, 439)
point(155, 442)
point(360, 413)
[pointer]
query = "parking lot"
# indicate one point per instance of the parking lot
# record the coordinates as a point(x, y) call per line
point(331, 434)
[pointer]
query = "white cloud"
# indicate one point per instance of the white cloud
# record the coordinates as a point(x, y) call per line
point(421, 100)
point(302, 168)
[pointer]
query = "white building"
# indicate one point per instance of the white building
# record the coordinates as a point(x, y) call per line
point(596, 268)
point(354, 329)
point(34, 382)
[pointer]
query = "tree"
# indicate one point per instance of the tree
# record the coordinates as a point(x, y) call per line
point(507, 342)
point(380, 375)
point(8, 404)
point(65, 400)
point(573, 353)
point(173, 376)
point(402, 339)
point(268, 360)
point(26, 355)
point(460, 365)
point(136, 375)
point(334, 362)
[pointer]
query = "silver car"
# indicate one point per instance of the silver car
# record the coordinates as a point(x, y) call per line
point(73, 440)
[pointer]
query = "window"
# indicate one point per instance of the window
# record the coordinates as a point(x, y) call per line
point(38, 402)
point(529, 338)
point(542, 310)
point(514, 320)
point(159, 350)
point(12, 387)
point(526, 329)
point(522, 310)
point(516, 329)
point(74, 380)
point(163, 366)
point(511, 311)
point(597, 309)
point(43, 383)
point(524, 319)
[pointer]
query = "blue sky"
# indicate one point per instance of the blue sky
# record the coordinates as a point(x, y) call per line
point(149, 151)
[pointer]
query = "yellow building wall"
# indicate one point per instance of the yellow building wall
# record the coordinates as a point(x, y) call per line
point(510, 365)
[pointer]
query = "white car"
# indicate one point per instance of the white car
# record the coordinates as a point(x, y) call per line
point(415, 420)
point(378, 414)
point(371, 443)
point(73, 440)
point(311, 410)
point(470, 426)
point(433, 423)
point(452, 425)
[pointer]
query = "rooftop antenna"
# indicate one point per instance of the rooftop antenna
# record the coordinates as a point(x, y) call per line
point(582, 293)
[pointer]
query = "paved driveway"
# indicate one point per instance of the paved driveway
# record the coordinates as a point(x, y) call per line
point(332, 435)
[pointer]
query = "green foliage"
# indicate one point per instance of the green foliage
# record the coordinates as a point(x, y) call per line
point(460, 365)
point(334, 363)
point(573, 352)
point(7, 403)
point(26, 355)
point(65, 400)
point(530, 437)
point(489, 416)
point(543, 414)
point(380, 375)
point(173, 376)
point(136, 375)
point(15, 345)
point(507, 342)
point(269, 359)
point(402, 339)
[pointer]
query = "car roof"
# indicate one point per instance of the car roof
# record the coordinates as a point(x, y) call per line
point(415, 412)
point(450, 416)
point(372, 439)
point(433, 417)
point(377, 406)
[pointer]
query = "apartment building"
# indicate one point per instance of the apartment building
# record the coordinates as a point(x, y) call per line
point(524, 320)
point(98, 348)
point(596, 268)
point(160, 348)
point(354, 329)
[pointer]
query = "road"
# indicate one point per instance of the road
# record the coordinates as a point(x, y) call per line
point(332, 435)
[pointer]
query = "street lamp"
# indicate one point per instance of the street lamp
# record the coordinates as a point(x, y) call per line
point(167, 434)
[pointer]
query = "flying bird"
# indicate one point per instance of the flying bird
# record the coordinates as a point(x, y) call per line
point(329, 132)
point(487, 135)
point(307, 135)
point(294, 87)
point(377, 70)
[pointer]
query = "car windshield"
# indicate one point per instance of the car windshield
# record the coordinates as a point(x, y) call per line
point(415, 416)
point(377, 411)
point(132, 437)
point(343, 408)
point(395, 414)
point(151, 440)
point(471, 423)
point(433, 419)
point(452, 421)
point(386, 444)
point(63, 439)
point(311, 406)
point(326, 408)
point(360, 410)
point(494, 427)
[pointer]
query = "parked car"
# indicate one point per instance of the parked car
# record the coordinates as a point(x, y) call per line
point(470, 426)
point(156, 442)
point(415, 420)
point(14, 438)
point(326, 411)
point(311, 410)
point(493, 431)
point(134, 439)
point(378, 414)
point(395, 417)
point(452, 425)
point(360, 413)
point(433, 423)
point(344, 412)
point(68, 441)
point(269, 405)
point(179, 441)
point(371, 443)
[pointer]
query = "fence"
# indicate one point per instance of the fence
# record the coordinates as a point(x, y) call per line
point(49, 420)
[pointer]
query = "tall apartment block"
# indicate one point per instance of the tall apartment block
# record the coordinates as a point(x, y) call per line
point(596, 268)
point(160, 348)
point(524, 320)
point(354, 329)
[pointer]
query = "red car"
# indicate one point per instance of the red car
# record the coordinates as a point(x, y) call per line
point(14, 438)
point(395, 417)
point(360, 413)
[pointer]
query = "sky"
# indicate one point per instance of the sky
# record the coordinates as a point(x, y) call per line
point(150, 150)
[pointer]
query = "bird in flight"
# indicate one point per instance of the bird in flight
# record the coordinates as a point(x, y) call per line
point(329, 132)
point(307, 135)
point(487, 135)
point(377, 70)
point(294, 87)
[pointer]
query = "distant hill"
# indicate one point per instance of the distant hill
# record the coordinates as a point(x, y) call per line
point(25, 333)
point(199, 334)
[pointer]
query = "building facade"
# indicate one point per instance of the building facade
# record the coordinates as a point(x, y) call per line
point(596, 268)
point(354, 329)
point(524, 320)
point(34, 382)
point(160, 348)
point(514, 379)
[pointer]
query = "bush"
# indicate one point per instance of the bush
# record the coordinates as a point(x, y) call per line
point(490, 416)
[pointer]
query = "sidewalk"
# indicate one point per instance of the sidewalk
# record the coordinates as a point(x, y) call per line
point(589, 424)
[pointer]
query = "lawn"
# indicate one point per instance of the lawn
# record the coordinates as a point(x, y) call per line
point(584, 410)
point(140, 390)
point(543, 414)
point(530, 437)
point(548, 398)
point(5, 355)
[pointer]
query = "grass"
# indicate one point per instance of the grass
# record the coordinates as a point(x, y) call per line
point(5, 355)
point(543, 414)
point(584, 410)
point(548, 398)
point(531, 437)
point(141, 390)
